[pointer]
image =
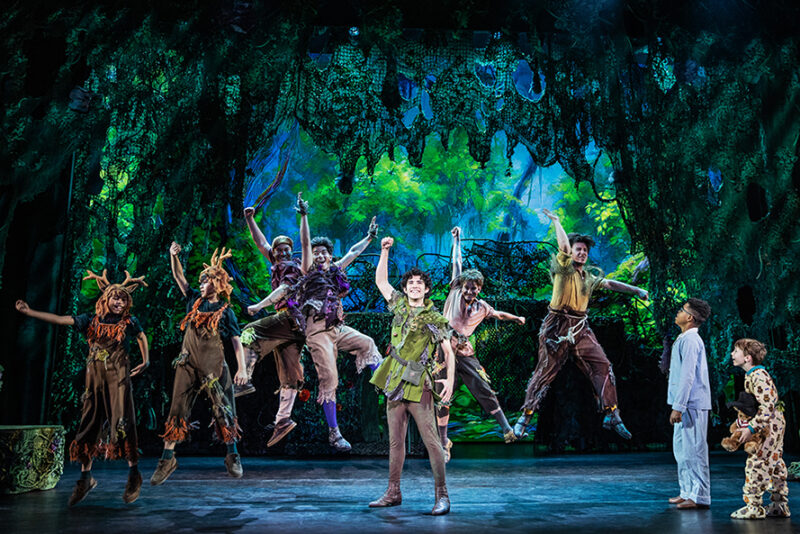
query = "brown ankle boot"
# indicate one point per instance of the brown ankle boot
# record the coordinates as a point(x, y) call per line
point(392, 497)
point(442, 505)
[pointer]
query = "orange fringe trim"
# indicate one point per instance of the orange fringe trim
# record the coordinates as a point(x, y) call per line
point(124, 450)
point(176, 429)
point(100, 331)
point(83, 452)
point(209, 320)
point(228, 434)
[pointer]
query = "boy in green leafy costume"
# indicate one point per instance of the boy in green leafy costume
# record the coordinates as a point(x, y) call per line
point(407, 376)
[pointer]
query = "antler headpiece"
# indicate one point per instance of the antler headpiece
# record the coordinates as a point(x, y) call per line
point(217, 273)
point(128, 286)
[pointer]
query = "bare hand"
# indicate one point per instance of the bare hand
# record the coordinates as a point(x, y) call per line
point(302, 205)
point(174, 248)
point(254, 309)
point(745, 435)
point(550, 215)
point(249, 212)
point(643, 294)
point(387, 242)
point(456, 232)
point(675, 417)
point(519, 320)
point(22, 307)
point(241, 377)
point(139, 368)
point(372, 232)
point(447, 390)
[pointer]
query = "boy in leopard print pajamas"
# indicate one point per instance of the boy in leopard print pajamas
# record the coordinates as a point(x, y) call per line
point(765, 469)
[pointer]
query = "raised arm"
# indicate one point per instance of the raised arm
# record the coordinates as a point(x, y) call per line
point(258, 236)
point(305, 234)
point(23, 308)
point(621, 287)
point(456, 254)
point(382, 271)
point(144, 348)
point(270, 300)
point(177, 268)
point(356, 250)
point(561, 235)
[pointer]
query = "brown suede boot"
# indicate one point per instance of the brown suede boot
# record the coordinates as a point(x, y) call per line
point(442, 505)
point(392, 497)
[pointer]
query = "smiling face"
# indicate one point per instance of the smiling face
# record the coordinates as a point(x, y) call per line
point(415, 288)
point(322, 258)
point(470, 291)
point(117, 303)
point(283, 252)
point(580, 253)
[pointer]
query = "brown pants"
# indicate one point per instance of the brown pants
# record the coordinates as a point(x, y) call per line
point(325, 344)
point(397, 413)
point(586, 351)
point(278, 334)
point(200, 368)
point(108, 417)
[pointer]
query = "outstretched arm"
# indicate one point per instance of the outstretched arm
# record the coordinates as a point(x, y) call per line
point(23, 308)
point(561, 235)
point(621, 287)
point(305, 234)
point(177, 268)
point(258, 236)
point(356, 250)
point(141, 339)
point(456, 255)
point(271, 299)
point(382, 271)
point(505, 316)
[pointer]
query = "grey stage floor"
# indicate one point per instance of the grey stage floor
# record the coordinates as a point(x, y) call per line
point(586, 493)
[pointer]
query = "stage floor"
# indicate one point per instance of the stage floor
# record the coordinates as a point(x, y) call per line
point(575, 493)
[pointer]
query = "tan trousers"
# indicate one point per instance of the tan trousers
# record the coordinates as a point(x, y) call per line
point(325, 344)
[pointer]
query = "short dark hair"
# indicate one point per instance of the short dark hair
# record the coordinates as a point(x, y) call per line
point(701, 308)
point(471, 275)
point(580, 238)
point(321, 241)
point(416, 271)
point(754, 348)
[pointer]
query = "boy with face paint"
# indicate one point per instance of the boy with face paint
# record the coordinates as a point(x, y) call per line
point(565, 330)
point(465, 312)
point(316, 305)
point(765, 469)
point(407, 376)
point(201, 367)
point(108, 417)
point(276, 334)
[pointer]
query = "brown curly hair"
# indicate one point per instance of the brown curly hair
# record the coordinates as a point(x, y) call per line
point(752, 347)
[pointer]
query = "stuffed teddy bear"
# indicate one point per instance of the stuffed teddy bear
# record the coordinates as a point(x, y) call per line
point(746, 408)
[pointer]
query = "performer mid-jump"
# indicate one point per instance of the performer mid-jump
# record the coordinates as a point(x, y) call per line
point(565, 331)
